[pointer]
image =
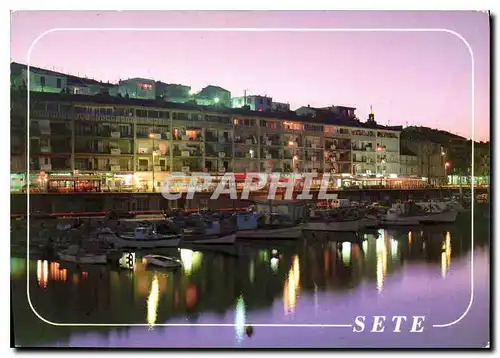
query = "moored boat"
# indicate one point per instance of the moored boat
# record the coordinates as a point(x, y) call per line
point(144, 237)
point(222, 239)
point(272, 221)
point(162, 261)
point(409, 214)
point(75, 255)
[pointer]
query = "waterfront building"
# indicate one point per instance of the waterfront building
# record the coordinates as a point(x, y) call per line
point(432, 156)
point(408, 163)
point(132, 144)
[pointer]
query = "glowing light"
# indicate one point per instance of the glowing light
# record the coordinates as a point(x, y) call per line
point(216, 99)
point(151, 135)
point(291, 287)
point(381, 263)
point(295, 157)
point(446, 255)
point(394, 248)
point(346, 252)
point(240, 319)
point(191, 260)
point(42, 273)
point(447, 164)
point(409, 237)
point(365, 246)
point(290, 143)
point(152, 303)
point(274, 264)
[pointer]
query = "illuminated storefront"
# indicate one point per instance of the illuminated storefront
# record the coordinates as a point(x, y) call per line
point(482, 180)
point(17, 182)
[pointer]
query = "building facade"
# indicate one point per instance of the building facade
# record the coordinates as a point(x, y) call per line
point(140, 88)
point(135, 144)
point(254, 102)
point(171, 92)
point(213, 96)
point(40, 80)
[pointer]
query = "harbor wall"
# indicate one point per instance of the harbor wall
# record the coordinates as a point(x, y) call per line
point(100, 202)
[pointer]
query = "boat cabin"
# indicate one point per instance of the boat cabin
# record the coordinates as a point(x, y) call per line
point(296, 210)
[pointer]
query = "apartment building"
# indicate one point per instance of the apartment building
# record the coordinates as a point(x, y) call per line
point(136, 143)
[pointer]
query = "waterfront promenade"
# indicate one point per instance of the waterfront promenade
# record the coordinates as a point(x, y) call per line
point(86, 203)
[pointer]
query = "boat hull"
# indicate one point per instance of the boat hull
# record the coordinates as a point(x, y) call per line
point(145, 243)
point(222, 240)
point(449, 216)
point(84, 259)
point(399, 222)
point(288, 233)
point(340, 226)
point(162, 264)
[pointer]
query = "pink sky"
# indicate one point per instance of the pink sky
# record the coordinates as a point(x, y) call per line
point(414, 78)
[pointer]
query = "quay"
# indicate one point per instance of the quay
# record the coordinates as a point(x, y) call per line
point(59, 204)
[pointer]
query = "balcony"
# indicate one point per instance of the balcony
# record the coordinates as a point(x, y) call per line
point(313, 145)
point(245, 140)
point(362, 148)
point(43, 114)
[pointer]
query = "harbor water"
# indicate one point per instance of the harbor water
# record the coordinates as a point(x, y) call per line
point(291, 294)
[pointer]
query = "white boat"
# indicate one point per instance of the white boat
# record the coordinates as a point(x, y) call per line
point(162, 261)
point(144, 237)
point(222, 240)
point(79, 257)
point(408, 215)
point(273, 220)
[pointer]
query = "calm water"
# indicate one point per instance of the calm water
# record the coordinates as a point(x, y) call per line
point(424, 272)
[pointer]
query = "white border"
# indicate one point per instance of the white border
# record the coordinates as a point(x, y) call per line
point(251, 30)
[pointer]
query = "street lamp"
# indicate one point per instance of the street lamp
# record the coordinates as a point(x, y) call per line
point(446, 166)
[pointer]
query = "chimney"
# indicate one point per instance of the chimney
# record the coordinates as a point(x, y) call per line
point(308, 106)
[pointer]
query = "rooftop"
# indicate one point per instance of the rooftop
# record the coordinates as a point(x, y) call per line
point(104, 99)
point(16, 68)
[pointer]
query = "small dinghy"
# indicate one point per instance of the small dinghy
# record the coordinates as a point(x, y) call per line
point(81, 256)
point(162, 261)
point(145, 237)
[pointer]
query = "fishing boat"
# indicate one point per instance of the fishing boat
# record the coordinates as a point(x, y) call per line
point(209, 230)
point(272, 221)
point(76, 255)
point(339, 220)
point(409, 214)
point(441, 205)
point(145, 237)
point(162, 261)
point(222, 239)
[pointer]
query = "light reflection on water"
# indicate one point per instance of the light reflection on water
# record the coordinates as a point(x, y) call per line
point(153, 300)
point(211, 283)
